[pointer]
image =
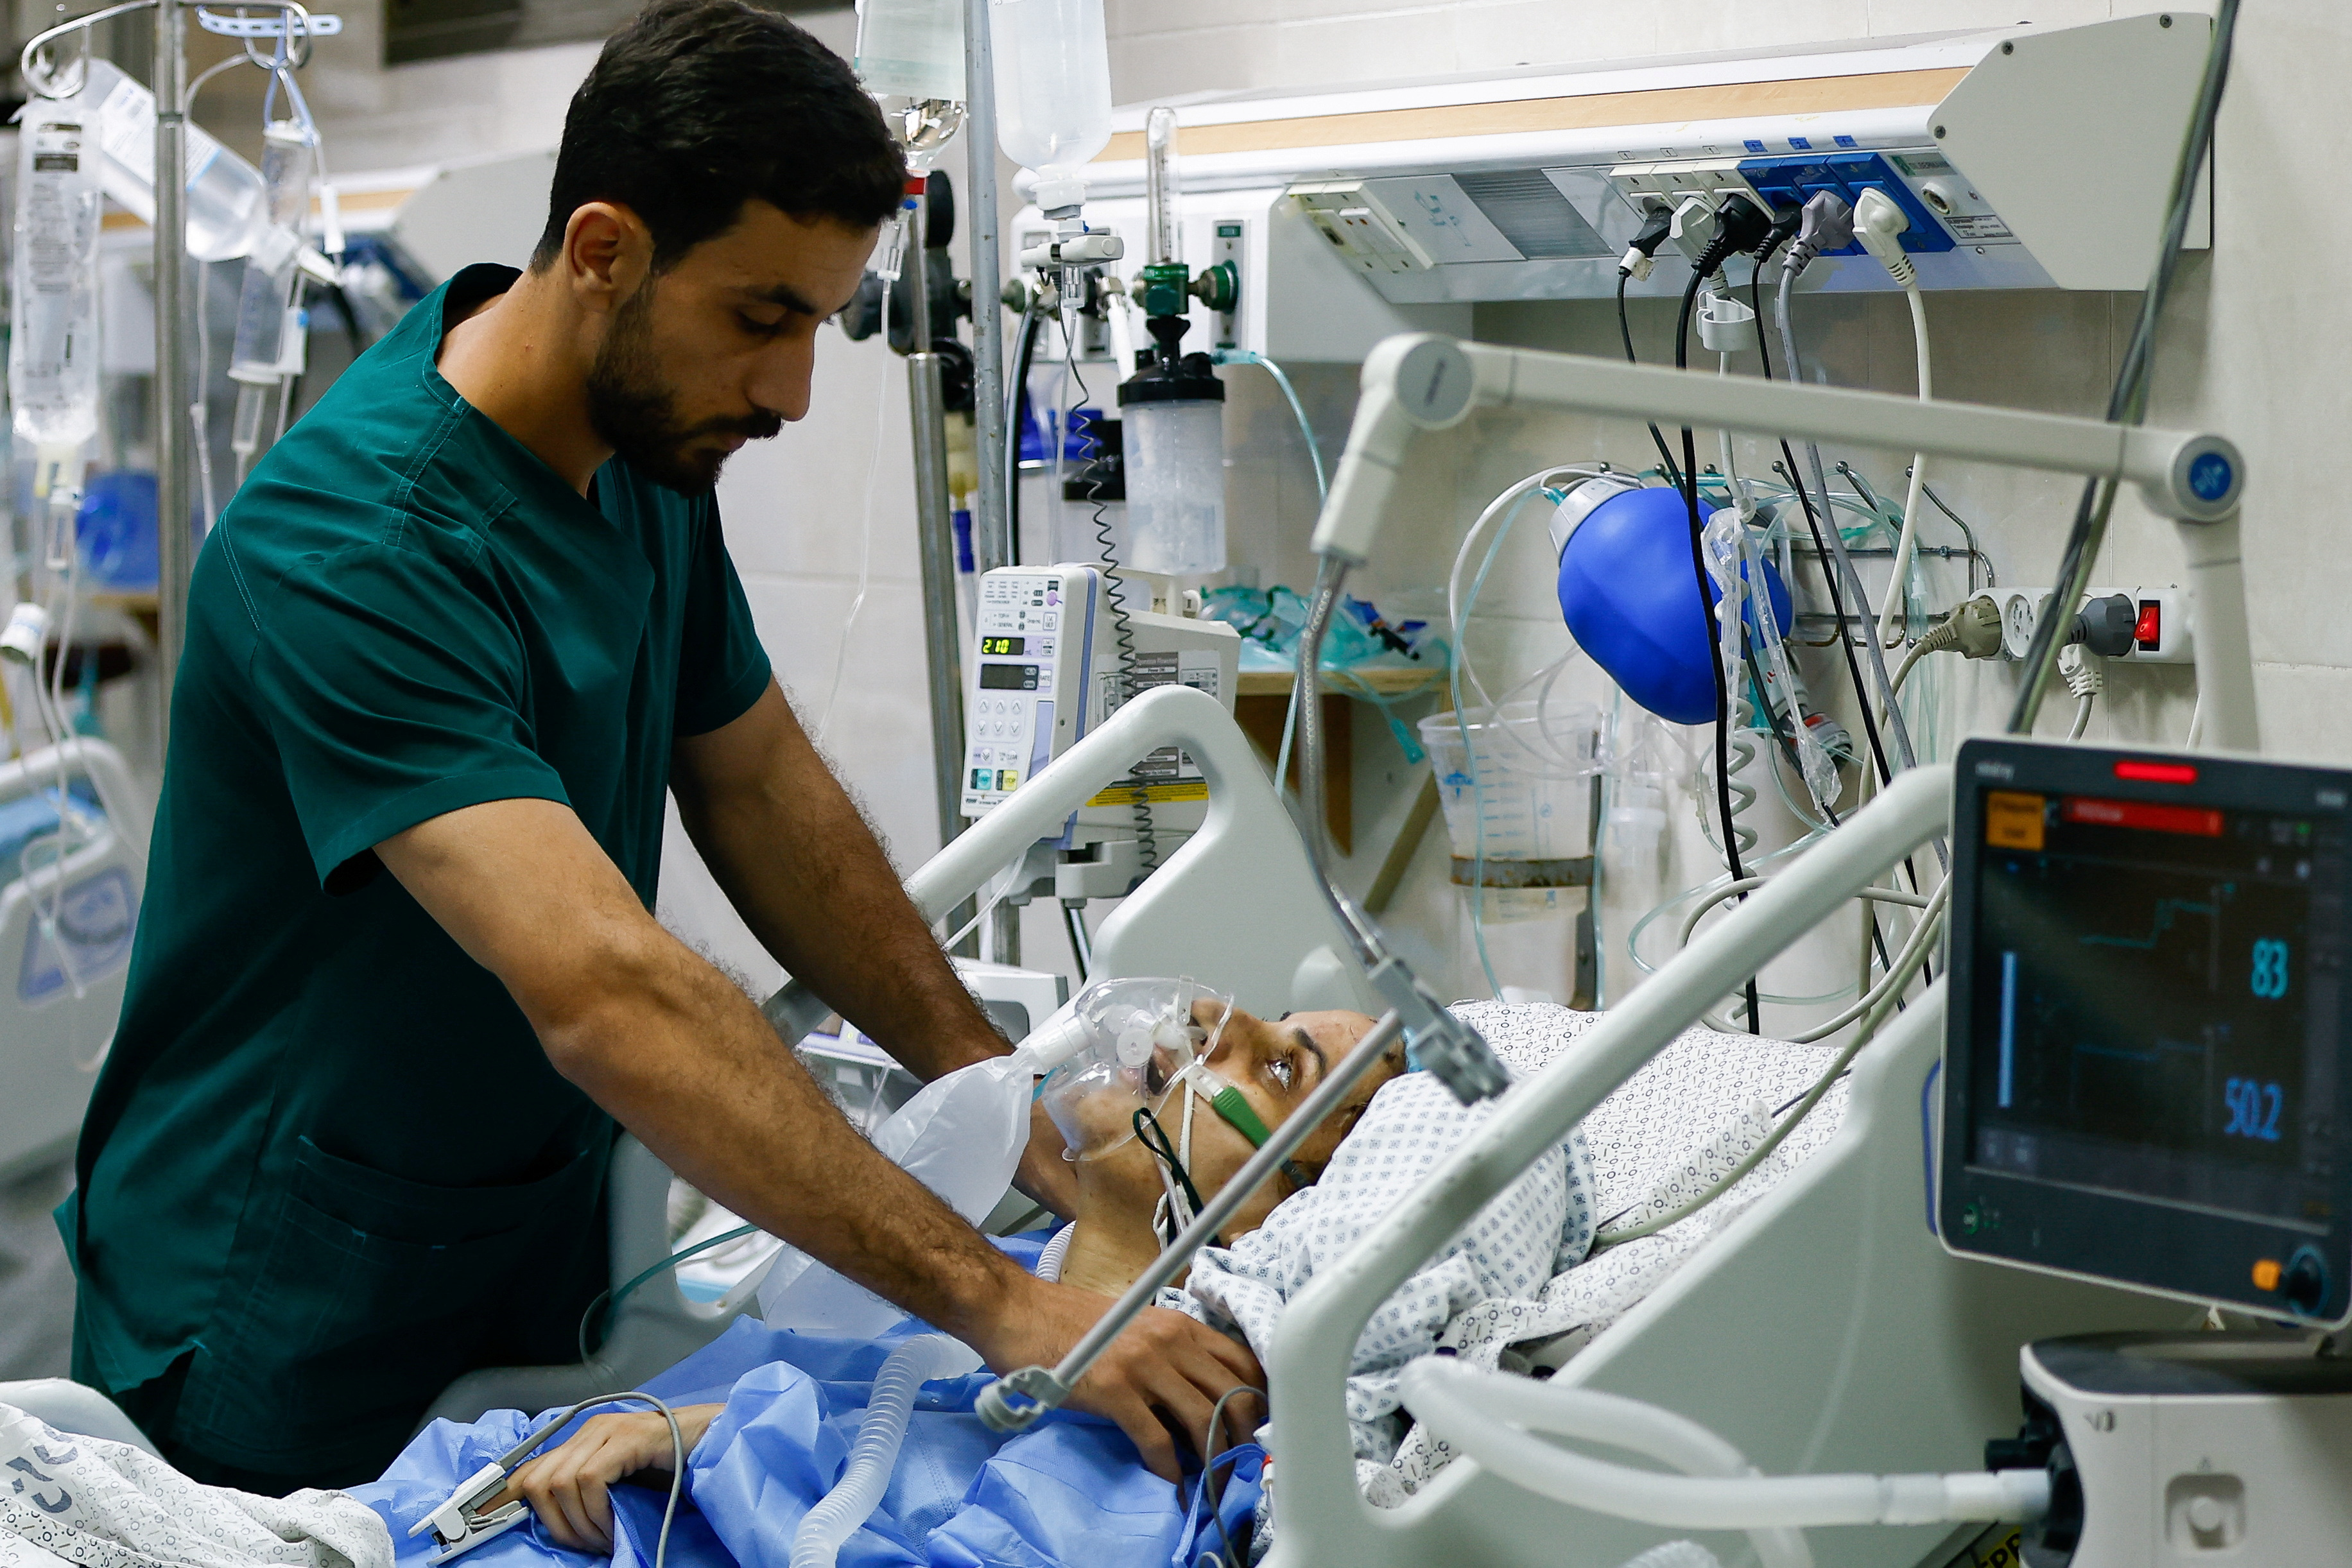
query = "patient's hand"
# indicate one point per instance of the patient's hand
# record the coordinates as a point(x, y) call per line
point(566, 1485)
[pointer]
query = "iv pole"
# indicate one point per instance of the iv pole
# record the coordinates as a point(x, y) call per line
point(174, 550)
point(991, 533)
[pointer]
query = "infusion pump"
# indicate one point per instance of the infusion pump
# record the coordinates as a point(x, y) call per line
point(1049, 664)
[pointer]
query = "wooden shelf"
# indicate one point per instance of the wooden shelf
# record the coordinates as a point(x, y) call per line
point(1384, 682)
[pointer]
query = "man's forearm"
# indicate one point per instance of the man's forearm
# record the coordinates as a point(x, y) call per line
point(688, 1065)
point(800, 866)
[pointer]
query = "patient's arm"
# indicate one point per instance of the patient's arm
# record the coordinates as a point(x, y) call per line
point(683, 1060)
point(567, 1487)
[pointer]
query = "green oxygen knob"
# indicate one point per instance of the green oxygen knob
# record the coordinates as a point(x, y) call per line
point(1219, 288)
point(1163, 286)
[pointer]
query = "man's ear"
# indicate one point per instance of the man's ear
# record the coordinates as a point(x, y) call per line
point(607, 255)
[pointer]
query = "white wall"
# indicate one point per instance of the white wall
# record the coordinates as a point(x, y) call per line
point(2249, 351)
point(2246, 350)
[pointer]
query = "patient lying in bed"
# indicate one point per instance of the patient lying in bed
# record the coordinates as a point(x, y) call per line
point(1274, 1063)
point(1071, 1488)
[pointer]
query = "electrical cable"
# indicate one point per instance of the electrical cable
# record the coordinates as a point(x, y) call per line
point(2127, 402)
point(1211, 1458)
point(1625, 330)
point(1813, 527)
point(1908, 538)
point(1872, 1011)
point(609, 1301)
point(514, 1457)
point(1016, 395)
point(1699, 274)
point(1122, 628)
point(1836, 542)
point(2082, 716)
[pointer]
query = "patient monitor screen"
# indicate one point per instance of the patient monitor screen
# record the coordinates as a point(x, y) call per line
point(2155, 999)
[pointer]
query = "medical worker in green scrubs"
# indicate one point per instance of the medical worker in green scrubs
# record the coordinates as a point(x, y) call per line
point(396, 980)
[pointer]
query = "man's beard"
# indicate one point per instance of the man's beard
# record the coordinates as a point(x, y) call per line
point(635, 413)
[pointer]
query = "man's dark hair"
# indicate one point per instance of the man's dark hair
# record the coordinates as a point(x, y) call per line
point(698, 106)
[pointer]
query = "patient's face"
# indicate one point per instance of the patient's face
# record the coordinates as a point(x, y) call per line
point(1275, 1063)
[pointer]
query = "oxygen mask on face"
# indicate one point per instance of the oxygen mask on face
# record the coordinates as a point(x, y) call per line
point(1118, 1047)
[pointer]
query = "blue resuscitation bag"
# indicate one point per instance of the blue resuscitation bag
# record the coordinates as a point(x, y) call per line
point(1626, 590)
point(1069, 1492)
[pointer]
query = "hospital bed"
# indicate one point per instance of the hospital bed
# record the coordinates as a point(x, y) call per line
point(1238, 901)
point(1821, 1329)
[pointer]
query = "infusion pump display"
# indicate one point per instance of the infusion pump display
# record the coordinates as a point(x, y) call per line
point(2146, 1074)
point(1036, 643)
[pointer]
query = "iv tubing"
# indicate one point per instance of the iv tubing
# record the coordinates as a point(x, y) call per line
point(1908, 539)
point(1836, 541)
point(865, 556)
point(1322, 494)
point(817, 1543)
point(1871, 1012)
point(1494, 1416)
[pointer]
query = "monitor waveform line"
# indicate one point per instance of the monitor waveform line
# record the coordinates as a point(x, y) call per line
point(2167, 911)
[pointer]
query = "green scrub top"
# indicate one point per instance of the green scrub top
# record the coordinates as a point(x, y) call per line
point(327, 1162)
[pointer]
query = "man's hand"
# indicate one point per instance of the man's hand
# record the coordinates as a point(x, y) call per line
point(568, 1487)
point(1160, 1378)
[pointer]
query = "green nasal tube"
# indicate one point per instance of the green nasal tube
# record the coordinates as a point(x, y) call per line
point(1230, 1104)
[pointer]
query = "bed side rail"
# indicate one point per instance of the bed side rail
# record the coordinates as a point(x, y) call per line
point(1238, 901)
point(1322, 1508)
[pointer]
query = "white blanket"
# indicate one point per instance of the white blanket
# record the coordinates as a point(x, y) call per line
point(1517, 1284)
point(1666, 1134)
point(1531, 1231)
point(98, 1504)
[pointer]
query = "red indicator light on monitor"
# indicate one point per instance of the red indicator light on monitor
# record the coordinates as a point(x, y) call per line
point(2155, 772)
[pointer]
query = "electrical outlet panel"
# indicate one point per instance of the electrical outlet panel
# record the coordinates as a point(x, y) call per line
point(2162, 633)
point(1359, 227)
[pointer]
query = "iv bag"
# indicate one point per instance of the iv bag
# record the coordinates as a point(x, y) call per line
point(267, 301)
point(910, 58)
point(912, 49)
point(225, 208)
point(53, 351)
point(1053, 82)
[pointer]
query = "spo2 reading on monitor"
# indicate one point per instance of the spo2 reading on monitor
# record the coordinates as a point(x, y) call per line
point(2145, 1069)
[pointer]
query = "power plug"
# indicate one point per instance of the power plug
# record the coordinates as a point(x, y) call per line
point(2085, 672)
point(1741, 226)
point(1976, 628)
point(1655, 227)
point(1694, 227)
point(1826, 224)
point(1879, 224)
point(2104, 626)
